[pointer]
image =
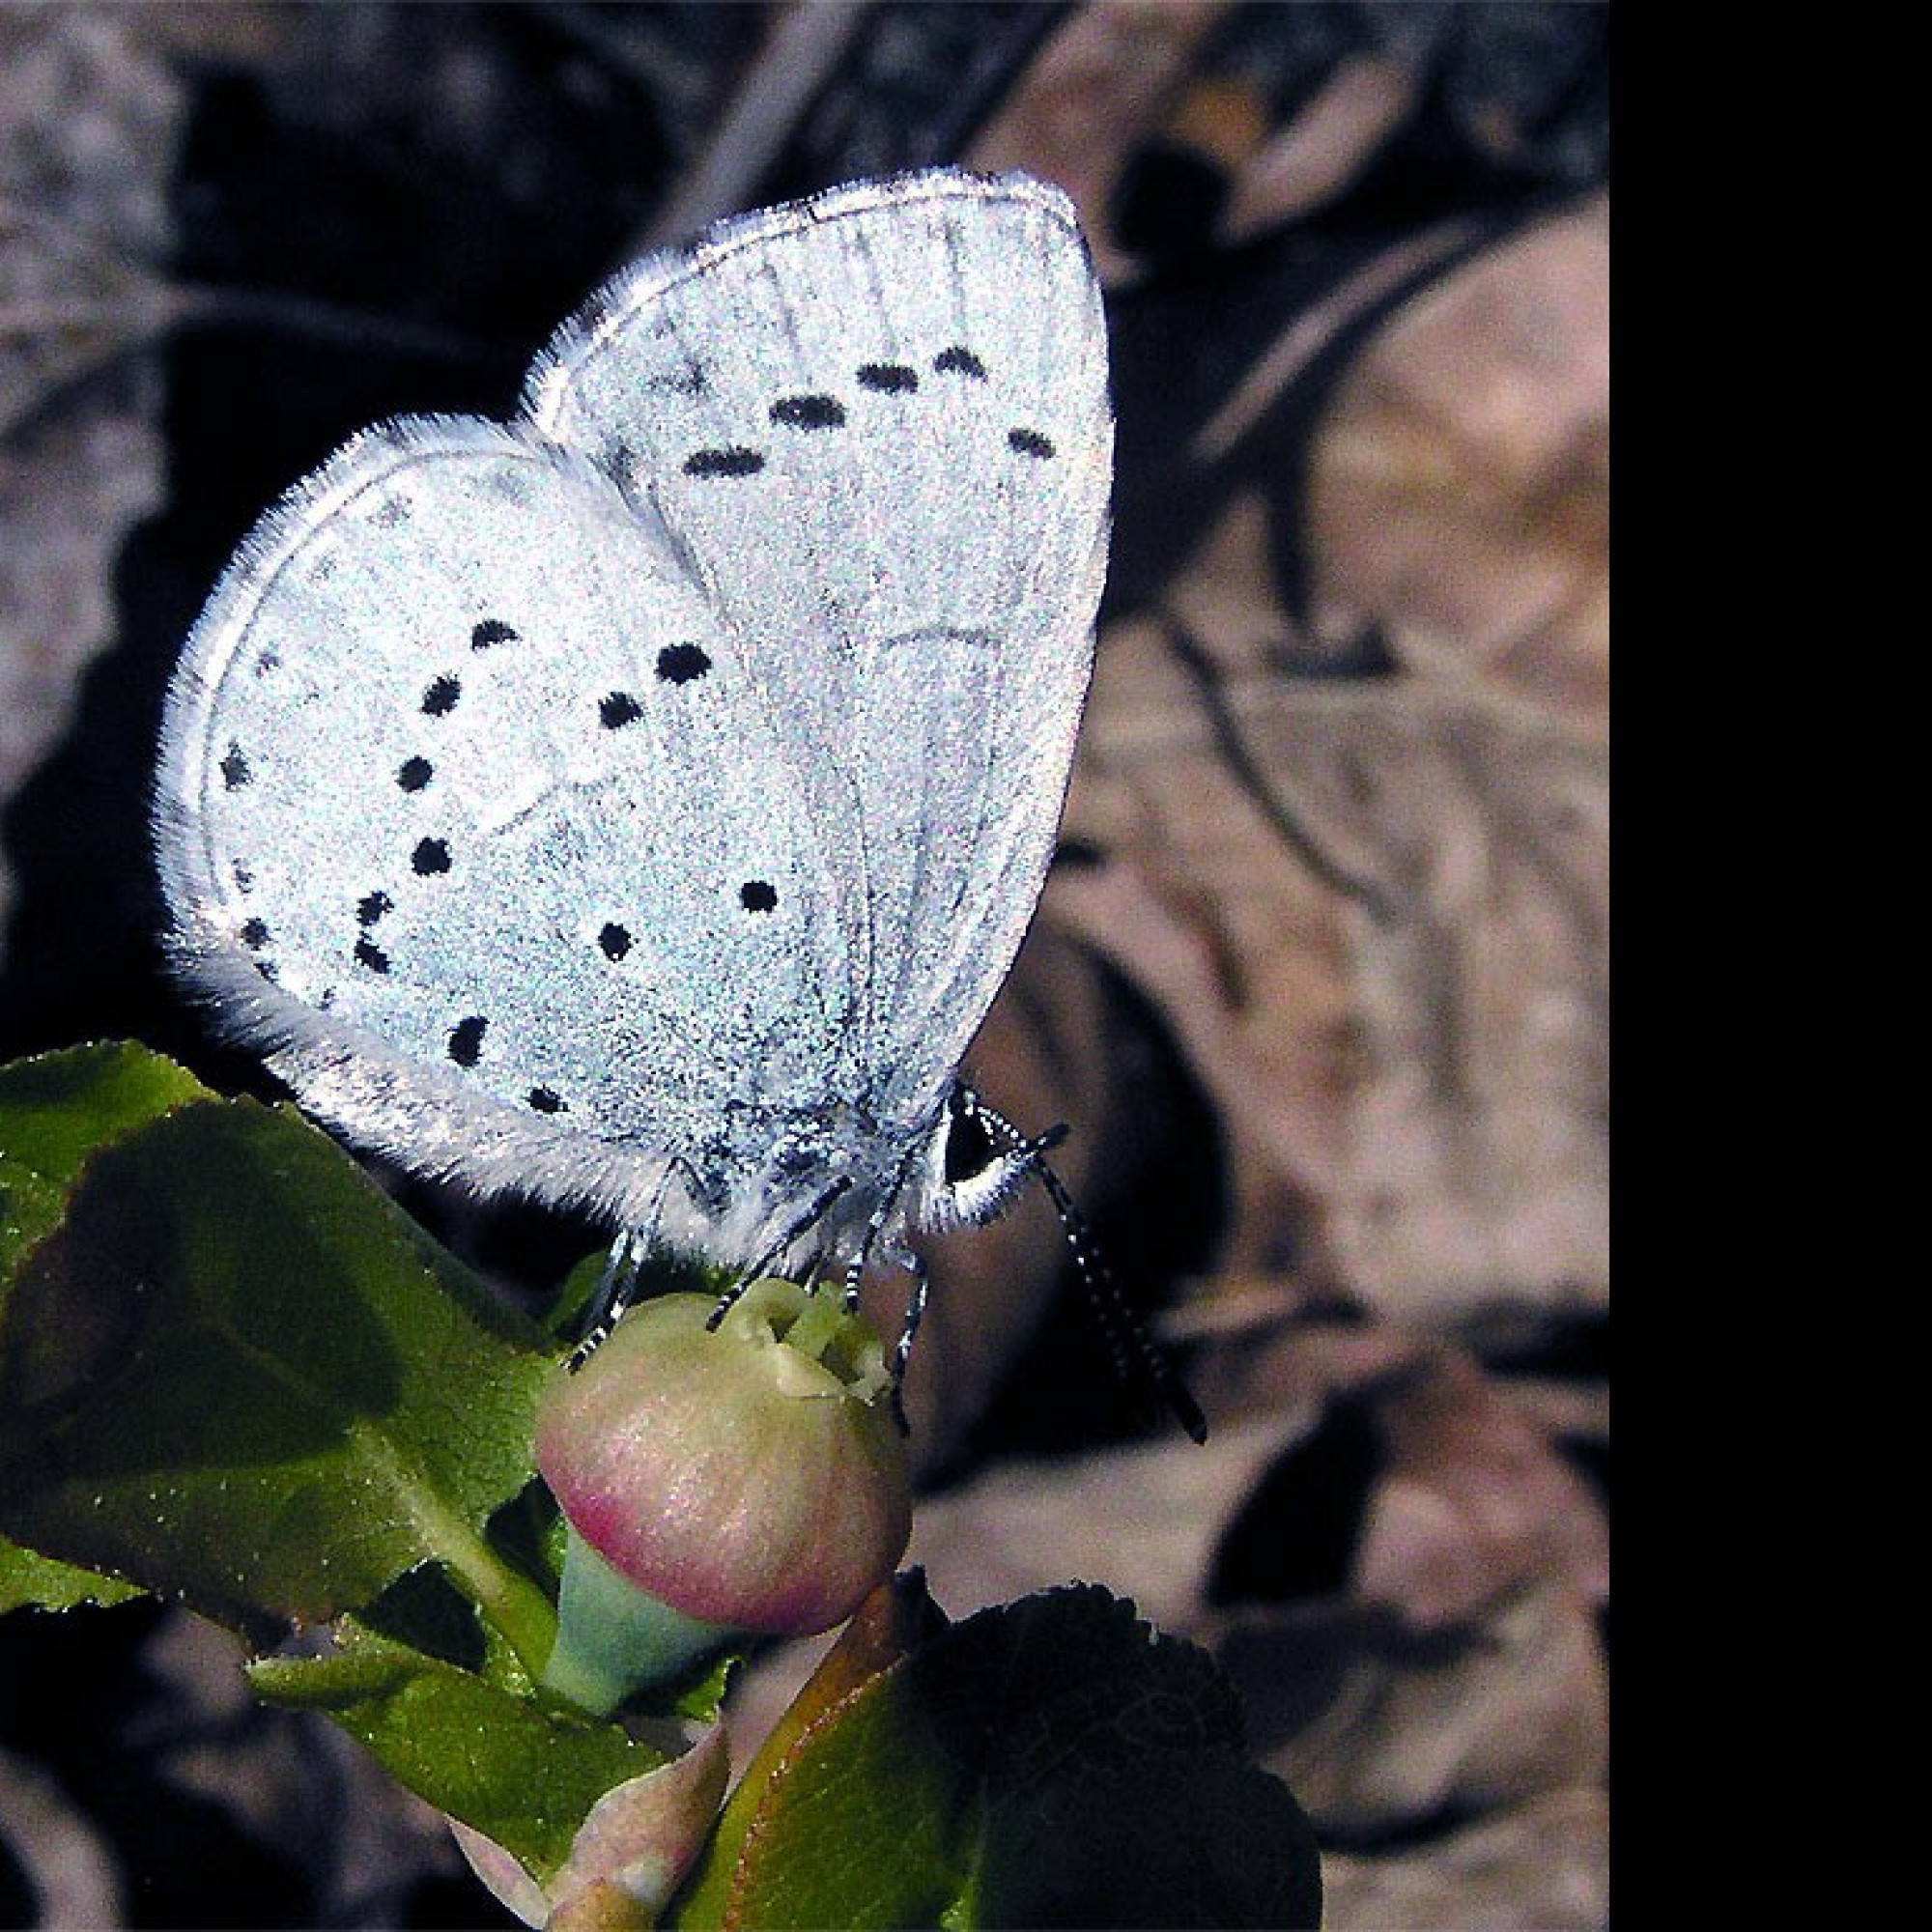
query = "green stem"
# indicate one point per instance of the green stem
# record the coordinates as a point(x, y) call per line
point(522, 1614)
point(518, 1608)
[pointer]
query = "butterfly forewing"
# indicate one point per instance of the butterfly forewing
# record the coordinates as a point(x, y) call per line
point(878, 423)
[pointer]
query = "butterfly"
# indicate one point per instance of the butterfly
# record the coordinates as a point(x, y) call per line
point(637, 806)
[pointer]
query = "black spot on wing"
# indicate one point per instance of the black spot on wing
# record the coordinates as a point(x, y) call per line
point(887, 379)
point(466, 1040)
point(441, 696)
point(732, 462)
point(680, 664)
point(1029, 442)
point(617, 710)
point(812, 411)
point(757, 895)
point(412, 774)
point(491, 630)
point(430, 858)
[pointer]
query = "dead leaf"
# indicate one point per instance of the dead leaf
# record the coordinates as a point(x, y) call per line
point(53, 1847)
point(89, 117)
point(1475, 1502)
point(1459, 498)
point(1379, 1727)
point(1144, 1519)
point(1545, 1863)
point(1375, 914)
point(1101, 80)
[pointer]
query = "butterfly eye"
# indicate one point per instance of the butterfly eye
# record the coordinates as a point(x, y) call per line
point(979, 1159)
point(969, 1150)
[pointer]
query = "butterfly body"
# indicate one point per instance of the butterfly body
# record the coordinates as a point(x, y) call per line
point(637, 806)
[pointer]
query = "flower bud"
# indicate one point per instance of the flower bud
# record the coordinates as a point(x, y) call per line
point(751, 1478)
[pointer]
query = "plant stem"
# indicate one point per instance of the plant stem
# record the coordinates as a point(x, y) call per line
point(520, 1610)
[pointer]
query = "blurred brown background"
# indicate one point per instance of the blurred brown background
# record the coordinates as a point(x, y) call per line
point(1320, 975)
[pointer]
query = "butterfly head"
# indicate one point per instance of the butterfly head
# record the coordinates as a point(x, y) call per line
point(976, 1160)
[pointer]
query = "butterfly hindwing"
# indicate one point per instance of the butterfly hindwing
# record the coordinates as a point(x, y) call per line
point(429, 799)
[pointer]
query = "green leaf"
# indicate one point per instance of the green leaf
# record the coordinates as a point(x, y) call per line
point(234, 1372)
point(887, 1630)
point(1049, 1763)
point(701, 1696)
point(522, 1775)
point(29, 1580)
point(56, 1110)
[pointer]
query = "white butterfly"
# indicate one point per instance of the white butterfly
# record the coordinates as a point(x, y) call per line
point(637, 805)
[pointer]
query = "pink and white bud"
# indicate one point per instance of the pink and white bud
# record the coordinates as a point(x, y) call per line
point(747, 1479)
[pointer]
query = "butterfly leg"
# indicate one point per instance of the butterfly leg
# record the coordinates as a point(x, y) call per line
point(921, 1282)
point(623, 1268)
point(800, 1225)
point(876, 1227)
point(615, 1286)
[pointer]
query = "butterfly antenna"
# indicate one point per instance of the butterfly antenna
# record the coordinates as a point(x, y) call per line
point(1134, 1353)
